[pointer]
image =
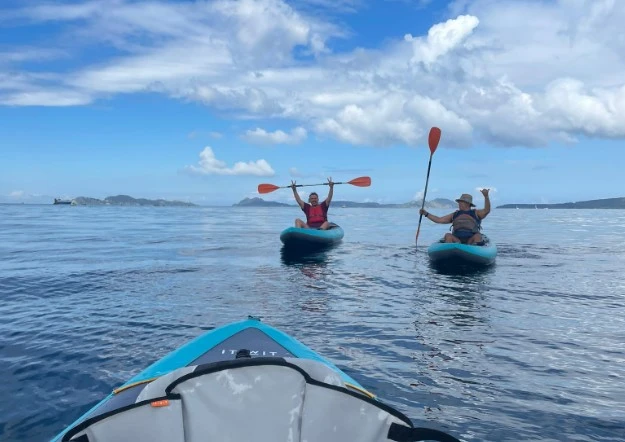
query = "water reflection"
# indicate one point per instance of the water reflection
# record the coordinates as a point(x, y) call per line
point(462, 292)
point(317, 304)
point(461, 269)
point(451, 314)
point(314, 266)
point(451, 328)
point(299, 257)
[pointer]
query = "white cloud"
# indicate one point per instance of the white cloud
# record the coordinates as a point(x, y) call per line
point(261, 136)
point(419, 195)
point(210, 165)
point(442, 38)
point(395, 119)
point(17, 194)
point(329, 6)
point(507, 72)
point(571, 106)
point(491, 190)
point(30, 54)
point(53, 98)
point(294, 172)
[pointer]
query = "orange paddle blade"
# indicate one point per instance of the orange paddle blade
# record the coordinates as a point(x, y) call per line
point(266, 188)
point(434, 138)
point(363, 181)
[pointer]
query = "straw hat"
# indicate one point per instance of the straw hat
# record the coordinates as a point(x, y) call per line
point(467, 199)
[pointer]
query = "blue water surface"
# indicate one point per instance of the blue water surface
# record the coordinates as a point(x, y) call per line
point(530, 349)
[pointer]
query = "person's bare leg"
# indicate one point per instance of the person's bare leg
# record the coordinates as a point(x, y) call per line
point(324, 226)
point(301, 224)
point(450, 238)
point(475, 239)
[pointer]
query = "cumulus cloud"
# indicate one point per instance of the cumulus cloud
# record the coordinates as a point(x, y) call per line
point(442, 38)
point(510, 73)
point(261, 136)
point(210, 165)
point(395, 119)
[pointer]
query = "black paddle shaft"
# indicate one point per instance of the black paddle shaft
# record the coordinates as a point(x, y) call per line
point(427, 179)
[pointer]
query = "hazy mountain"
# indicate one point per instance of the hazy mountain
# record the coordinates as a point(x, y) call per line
point(125, 200)
point(438, 203)
point(259, 202)
point(606, 203)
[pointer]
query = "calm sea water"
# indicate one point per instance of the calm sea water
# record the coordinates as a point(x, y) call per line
point(531, 349)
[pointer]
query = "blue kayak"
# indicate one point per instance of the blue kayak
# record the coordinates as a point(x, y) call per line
point(243, 372)
point(301, 238)
point(456, 253)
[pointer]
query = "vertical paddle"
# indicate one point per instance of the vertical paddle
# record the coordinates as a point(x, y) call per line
point(433, 139)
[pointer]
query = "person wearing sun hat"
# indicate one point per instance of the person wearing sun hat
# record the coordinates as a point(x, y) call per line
point(466, 221)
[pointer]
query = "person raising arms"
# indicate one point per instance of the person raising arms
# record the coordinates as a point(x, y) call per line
point(316, 213)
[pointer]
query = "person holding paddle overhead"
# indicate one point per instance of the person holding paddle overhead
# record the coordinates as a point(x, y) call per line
point(466, 222)
point(316, 213)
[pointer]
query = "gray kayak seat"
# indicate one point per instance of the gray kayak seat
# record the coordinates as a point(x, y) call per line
point(258, 399)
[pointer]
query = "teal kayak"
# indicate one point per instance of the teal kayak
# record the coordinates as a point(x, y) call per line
point(244, 372)
point(456, 253)
point(301, 238)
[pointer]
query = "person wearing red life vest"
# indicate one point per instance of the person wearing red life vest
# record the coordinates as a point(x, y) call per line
point(316, 213)
point(466, 222)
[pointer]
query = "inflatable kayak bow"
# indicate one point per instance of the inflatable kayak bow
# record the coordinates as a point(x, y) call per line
point(244, 381)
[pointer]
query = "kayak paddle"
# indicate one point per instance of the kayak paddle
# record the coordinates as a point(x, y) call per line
point(433, 139)
point(363, 181)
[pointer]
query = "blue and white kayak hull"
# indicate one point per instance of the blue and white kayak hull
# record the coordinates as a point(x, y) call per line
point(298, 238)
point(244, 381)
point(217, 345)
point(457, 253)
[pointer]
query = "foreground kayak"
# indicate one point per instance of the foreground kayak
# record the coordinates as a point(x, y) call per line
point(245, 381)
point(300, 238)
point(451, 253)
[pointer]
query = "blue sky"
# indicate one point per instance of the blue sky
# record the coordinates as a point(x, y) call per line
point(202, 101)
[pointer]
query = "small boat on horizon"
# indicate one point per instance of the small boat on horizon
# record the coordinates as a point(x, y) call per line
point(61, 201)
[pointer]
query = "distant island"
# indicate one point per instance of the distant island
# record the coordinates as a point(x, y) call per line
point(438, 203)
point(259, 202)
point(606, 203)
point(125, 200)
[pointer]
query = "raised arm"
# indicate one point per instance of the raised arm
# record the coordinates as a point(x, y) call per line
point(330, 193)
point(296, 195)
point(437, 219)
point(486, 210)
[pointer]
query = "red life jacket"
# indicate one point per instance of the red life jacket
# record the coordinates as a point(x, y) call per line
point(316, 215)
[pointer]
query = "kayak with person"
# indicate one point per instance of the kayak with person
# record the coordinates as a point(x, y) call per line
point(465, 243)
